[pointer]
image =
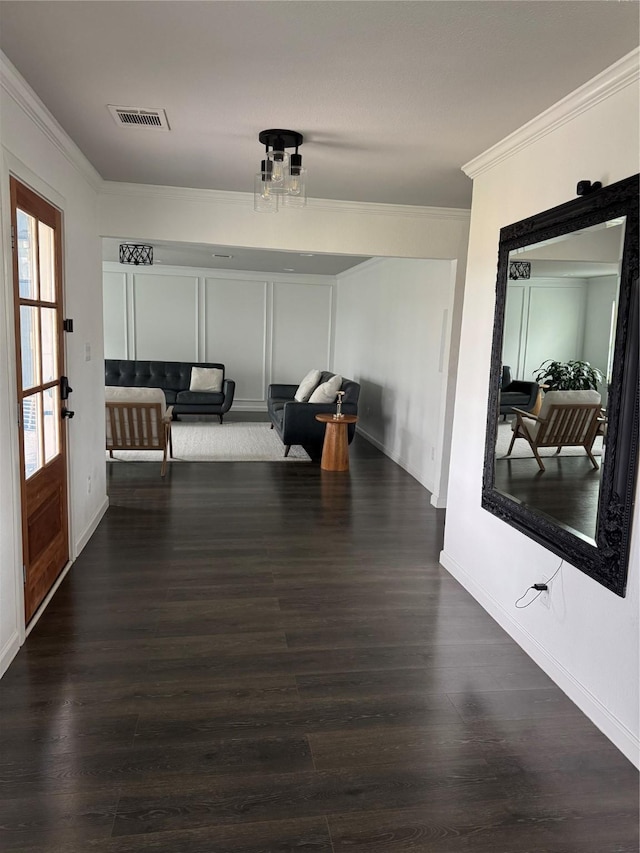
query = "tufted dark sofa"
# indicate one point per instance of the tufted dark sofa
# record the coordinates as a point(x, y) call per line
point(174, 377)
point(295, 422)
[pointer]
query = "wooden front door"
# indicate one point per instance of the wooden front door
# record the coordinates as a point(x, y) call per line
point(37, 274)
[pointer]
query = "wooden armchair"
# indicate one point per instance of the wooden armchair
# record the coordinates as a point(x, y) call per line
point(566, 419)
point(138, 419)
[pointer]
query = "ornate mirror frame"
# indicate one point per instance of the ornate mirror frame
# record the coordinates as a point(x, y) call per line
point(605, 561)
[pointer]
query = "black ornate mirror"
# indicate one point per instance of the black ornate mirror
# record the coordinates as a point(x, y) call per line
point(567, 293)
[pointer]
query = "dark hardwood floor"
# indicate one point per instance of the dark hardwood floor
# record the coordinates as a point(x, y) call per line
point(265, 658)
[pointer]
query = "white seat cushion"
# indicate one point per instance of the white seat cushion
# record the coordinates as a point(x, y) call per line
point(121, 394)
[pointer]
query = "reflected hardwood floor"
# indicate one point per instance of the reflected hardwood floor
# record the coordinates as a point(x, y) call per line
point(265, 657)
point(567, 491)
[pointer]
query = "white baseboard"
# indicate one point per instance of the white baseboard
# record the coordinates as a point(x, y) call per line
point(90, 528)
point(438, 502)
point(8, 652)
point(247, 406)
point(393, 456)
point(627, 742)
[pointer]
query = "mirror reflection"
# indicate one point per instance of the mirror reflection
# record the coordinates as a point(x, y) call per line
point(557, 359)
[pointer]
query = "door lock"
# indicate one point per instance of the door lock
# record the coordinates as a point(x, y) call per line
point(67, 413)
point(65, 388)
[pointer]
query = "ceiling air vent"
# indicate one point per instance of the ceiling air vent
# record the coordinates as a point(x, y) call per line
point(139, 118)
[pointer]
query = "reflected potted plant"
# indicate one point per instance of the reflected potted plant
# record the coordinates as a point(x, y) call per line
point(568, 376)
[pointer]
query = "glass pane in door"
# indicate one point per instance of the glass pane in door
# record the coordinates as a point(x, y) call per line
point(32, 433)
point(27, 266)
point(51, 411)
point(29, 346)
point(47, 263)
point(49, 344)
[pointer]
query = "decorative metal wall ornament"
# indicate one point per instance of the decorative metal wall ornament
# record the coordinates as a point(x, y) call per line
point(519, 270)
point(281, 179)
point(136, 253)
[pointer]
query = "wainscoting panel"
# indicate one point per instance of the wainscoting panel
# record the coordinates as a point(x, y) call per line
point(514, 329)
point(165, 317)
point(545, 318)
point(263, 329)
point(235, 333)
point(556, 324)
point(302, 330)
point(114, 293)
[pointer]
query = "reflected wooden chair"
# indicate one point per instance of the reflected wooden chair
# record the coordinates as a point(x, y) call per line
point(566, 419)
point(138, 419)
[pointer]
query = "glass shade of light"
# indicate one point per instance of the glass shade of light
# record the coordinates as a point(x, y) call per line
point(279, 170)
point(296, 195)
point(264, 199)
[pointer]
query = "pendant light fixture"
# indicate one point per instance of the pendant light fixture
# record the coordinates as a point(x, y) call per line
point(519, 270)
point(281, 179)
point(136, 253)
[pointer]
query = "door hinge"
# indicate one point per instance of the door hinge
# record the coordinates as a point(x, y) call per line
point(24, 574)
point(13, 238)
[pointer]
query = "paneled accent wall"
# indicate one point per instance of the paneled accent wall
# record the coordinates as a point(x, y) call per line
point(545, 318)
point(230, 305)
point(293, 334)
point(262, 328)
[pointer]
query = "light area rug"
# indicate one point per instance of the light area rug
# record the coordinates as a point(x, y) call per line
point(201, 441)
point(521, 449)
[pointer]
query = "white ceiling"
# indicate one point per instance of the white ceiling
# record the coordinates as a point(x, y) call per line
point(392, 97)
point(260, 260)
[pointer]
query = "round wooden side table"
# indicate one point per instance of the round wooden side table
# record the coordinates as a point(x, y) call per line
point(335, 450)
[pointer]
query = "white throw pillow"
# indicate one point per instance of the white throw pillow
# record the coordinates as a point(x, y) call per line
point(206, 379)
point(327, 392)
point(307, 385)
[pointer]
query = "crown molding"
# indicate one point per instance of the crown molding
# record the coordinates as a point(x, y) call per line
point(245, 200)
point(625, 72)
point(19, 91)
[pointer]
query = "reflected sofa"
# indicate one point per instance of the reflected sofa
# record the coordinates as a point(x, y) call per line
point(514, 392)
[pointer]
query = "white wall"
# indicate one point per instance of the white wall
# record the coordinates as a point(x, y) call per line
point(263, 328)
point(31, 151)
point(228, 219)
point(588, 639)
point(392, 329)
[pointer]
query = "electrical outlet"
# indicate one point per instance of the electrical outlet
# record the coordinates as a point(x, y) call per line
point(89, 485)
point(545, 598)
point(87, 352)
